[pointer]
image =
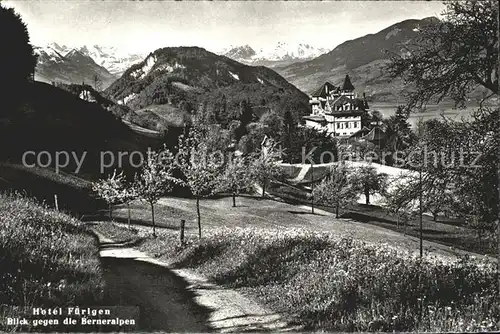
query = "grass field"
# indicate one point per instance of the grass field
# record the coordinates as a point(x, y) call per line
point(47, 259)
point(327, 280)
point(265, 214)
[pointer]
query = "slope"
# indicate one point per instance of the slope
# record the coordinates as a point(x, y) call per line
point(363, 58)
point(53, 120)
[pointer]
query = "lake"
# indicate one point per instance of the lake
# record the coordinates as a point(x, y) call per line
point(432, 111)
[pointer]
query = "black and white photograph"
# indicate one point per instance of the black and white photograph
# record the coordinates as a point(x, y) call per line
point(249, 166)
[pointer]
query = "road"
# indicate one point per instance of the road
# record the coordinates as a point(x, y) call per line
point(177, 300)
point(163, 298)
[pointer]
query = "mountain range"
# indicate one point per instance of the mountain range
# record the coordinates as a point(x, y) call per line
point(364, 59)
point(57, 65)
point(282, 54)
point(175, 81)
point(111, 58)
point(67, 65)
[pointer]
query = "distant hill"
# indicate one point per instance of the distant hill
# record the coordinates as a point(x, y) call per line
point(71, 67)
point(190, 78)
point(363, 58)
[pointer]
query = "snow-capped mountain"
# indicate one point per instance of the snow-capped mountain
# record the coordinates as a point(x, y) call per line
point(240, 52)
point(281, 54)
point(48, 54)
point(60, 64)
point(111, 58)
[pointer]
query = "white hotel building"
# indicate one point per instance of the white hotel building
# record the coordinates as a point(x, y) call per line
point(336, 109)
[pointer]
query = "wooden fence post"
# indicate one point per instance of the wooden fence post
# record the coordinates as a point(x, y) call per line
point(183, 223)
point(55, 202)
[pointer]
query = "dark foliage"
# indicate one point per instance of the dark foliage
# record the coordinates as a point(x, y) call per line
point(52, 119)
point(301, 141)
point(17, 59)
point(454, 56)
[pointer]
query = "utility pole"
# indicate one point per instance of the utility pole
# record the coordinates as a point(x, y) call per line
point(420, 203)
point(377, 125)
point(312, 188)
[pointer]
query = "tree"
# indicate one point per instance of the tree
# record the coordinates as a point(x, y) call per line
point(371, 118)
point(288, 127)
point(17, 59)
point(128, 194)
point(396, 203)
point(97, 83)
point(470, 164)
point(369, 182)
point(200, 168)
point(437, 196)
point(337, 189)
point(155, 179)
point(265, 164)
point(324, 146)
point(235, 177)
point(110, 190)
point(245, 117)
point(398, 132)
point(453, 56)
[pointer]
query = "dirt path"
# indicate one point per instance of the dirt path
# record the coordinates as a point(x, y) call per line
point(177, 300)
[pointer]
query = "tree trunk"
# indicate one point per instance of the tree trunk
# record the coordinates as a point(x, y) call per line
point(337, 211)
point(110, 213)
point(264, 188)
point(234, 200)
point(434, 217)
point(367, 196)
point(128, 209)
point(153, 218)
point(199, 217)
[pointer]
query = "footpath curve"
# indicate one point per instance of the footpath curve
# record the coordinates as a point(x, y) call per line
point(179, 300)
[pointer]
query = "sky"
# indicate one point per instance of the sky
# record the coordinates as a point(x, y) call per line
point(143, 26)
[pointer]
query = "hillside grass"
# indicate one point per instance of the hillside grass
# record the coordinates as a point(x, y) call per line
point(325, 281)
point(448, 232)
point(47, 258)
point(74, 193)
point(266, 213)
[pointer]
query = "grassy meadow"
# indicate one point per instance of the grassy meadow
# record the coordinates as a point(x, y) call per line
point(47, 258)
point(327, 281)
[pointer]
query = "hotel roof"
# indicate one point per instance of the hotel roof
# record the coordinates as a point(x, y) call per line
point(324, 90)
